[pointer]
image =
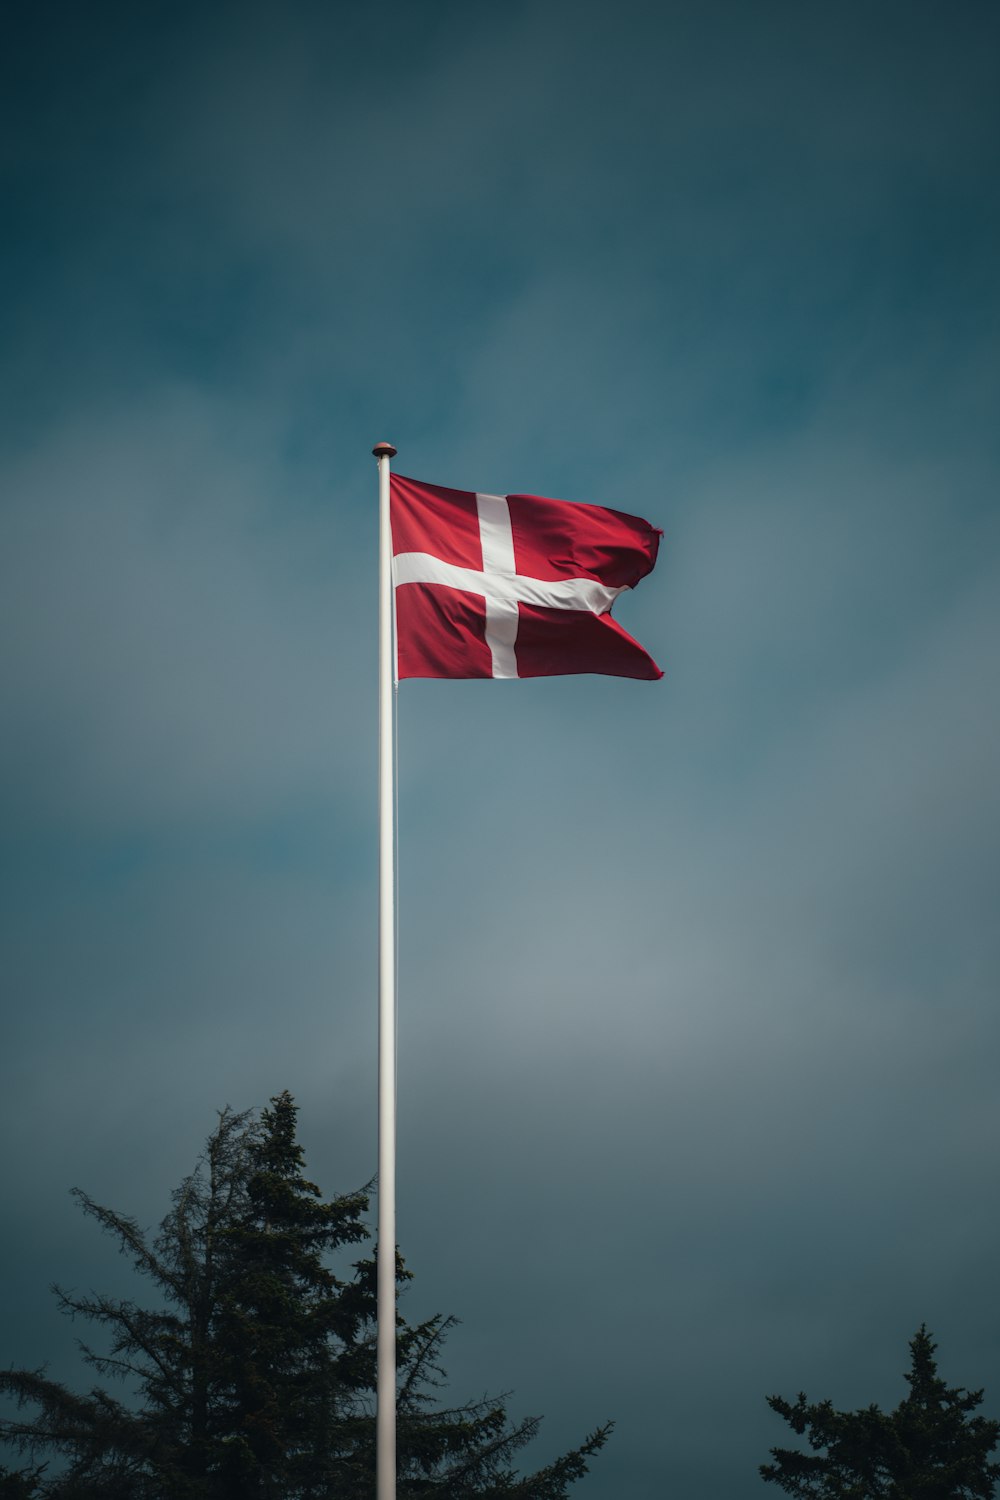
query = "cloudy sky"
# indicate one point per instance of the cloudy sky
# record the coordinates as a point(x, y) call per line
point(699, 1040)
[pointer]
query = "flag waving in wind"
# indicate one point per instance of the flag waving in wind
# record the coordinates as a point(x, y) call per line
point(513, 585)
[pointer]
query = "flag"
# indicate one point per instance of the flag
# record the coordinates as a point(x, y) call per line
point(513, 585)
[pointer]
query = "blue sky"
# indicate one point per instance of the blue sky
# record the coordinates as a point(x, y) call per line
point(698, 996)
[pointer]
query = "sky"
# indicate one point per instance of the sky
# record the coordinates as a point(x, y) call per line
point(698, 978)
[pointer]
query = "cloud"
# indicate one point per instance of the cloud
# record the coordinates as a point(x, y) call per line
point(181, 622)
point(697, 978)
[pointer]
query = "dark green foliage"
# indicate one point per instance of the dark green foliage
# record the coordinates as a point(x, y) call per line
point(252, 1378)
point(931, 1447)
point(19, 1484)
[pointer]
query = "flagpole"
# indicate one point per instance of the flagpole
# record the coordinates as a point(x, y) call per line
point(385, 1359)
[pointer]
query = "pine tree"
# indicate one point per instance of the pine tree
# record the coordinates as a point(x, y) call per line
point(931, 1447)
point(253, 1375)
point(280, 1323)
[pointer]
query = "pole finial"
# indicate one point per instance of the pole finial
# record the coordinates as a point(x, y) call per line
point(384, 450)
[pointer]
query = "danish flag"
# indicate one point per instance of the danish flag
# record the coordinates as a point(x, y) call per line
point(513, 585)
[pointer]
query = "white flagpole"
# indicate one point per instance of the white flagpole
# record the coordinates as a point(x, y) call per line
point(385, 1376)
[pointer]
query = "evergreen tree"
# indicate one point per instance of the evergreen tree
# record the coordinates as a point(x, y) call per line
point(931, 1447)
point(252, 1376)
point(280, 1323)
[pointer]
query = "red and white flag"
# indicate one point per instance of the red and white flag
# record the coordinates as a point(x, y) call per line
point(513, 585)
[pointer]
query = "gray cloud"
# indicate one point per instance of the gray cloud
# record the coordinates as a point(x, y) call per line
point(697, 980)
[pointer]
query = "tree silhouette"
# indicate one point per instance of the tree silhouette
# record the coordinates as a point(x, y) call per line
point(931, 1447)
point(252, 1375)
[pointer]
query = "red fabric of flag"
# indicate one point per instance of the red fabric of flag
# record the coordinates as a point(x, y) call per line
point(513, 585)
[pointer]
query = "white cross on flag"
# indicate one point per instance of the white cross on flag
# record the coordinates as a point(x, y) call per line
point(513, 585)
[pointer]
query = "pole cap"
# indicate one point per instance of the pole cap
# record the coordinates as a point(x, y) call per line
point(384, 450)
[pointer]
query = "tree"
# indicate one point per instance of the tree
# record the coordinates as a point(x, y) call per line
point(252, 1376)
point(931, 1447)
